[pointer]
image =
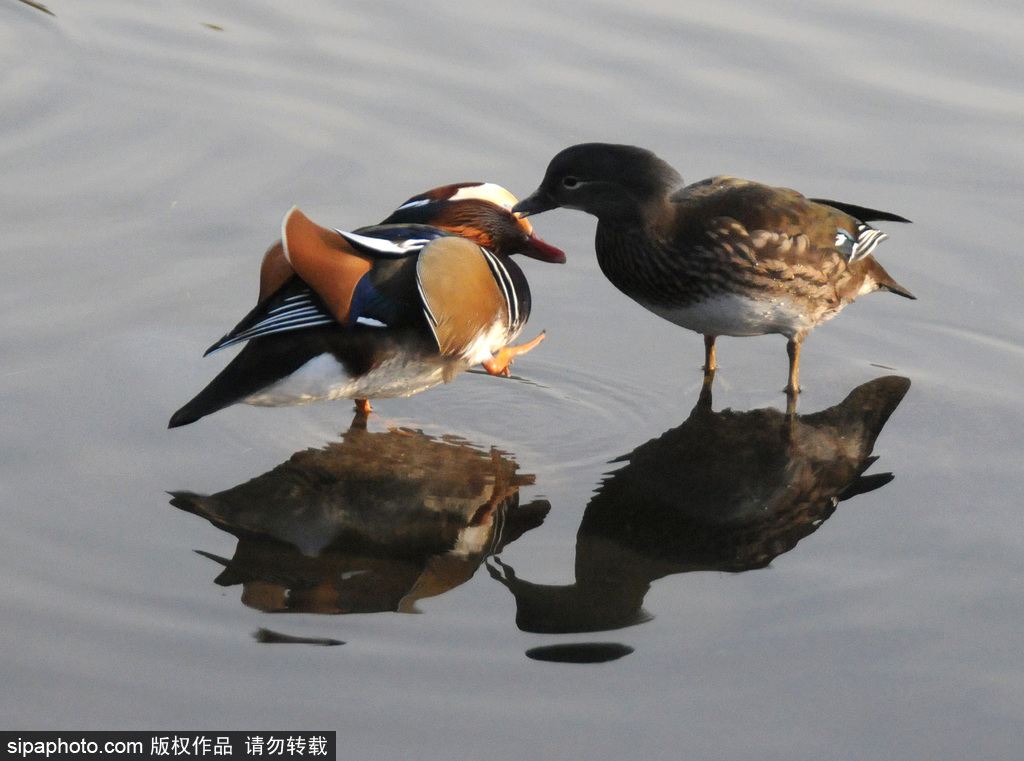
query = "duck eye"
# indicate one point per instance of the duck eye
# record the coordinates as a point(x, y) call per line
point(570, 182)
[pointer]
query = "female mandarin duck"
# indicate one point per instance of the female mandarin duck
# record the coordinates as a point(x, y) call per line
point(384, 311)
point(723, 256)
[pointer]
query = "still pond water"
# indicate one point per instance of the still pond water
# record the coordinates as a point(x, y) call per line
point(737, 587)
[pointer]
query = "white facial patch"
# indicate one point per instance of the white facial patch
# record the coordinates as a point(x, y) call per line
point(487, 191)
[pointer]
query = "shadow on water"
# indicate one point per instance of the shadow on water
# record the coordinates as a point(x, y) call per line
point(373, 522)
point(725, 491)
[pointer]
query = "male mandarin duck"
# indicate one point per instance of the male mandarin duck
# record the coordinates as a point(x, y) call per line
point(722, 256)
point(387, 310)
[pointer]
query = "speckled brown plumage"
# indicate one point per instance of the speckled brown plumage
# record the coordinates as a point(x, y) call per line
point(723, 256)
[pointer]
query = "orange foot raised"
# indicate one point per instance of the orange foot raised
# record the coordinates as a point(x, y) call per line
point(500, 362)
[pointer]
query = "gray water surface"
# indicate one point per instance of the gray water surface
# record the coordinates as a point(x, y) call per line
point(738, 597)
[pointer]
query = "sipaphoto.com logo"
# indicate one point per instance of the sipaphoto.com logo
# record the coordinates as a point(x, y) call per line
point(81, 746)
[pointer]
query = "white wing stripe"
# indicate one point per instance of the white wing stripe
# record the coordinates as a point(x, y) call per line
point(265, 329)
point(383, 246)
point(867, 239)
point(508, 290)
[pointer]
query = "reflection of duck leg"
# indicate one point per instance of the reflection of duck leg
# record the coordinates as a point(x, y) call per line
point(504, 483)
point(359, 420)
point(791, 406)
point(502, 573)
point(704, 399)
point(363, 411)
point(500, 362)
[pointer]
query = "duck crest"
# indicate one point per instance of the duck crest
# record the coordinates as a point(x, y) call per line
point(460, 191)
point(480, 212)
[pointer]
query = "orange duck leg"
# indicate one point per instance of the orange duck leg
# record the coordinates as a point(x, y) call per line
point(499, 364)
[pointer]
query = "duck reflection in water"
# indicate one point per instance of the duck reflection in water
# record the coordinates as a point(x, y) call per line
point(725, 491)
point(373, 522)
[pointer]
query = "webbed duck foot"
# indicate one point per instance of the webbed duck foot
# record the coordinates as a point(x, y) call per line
point(499, 364)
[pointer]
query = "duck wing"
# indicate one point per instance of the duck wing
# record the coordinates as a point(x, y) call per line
point(293, 306)
point(472, 298)
point(328, 283)
point(777, 228)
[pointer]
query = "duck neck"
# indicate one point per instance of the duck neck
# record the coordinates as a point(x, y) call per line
point(629, 256)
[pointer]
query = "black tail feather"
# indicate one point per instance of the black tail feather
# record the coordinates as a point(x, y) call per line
point(261, 362)
point(863, 213)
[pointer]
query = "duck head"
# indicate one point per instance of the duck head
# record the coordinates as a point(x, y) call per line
point(481, 212)
point(607, 180)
